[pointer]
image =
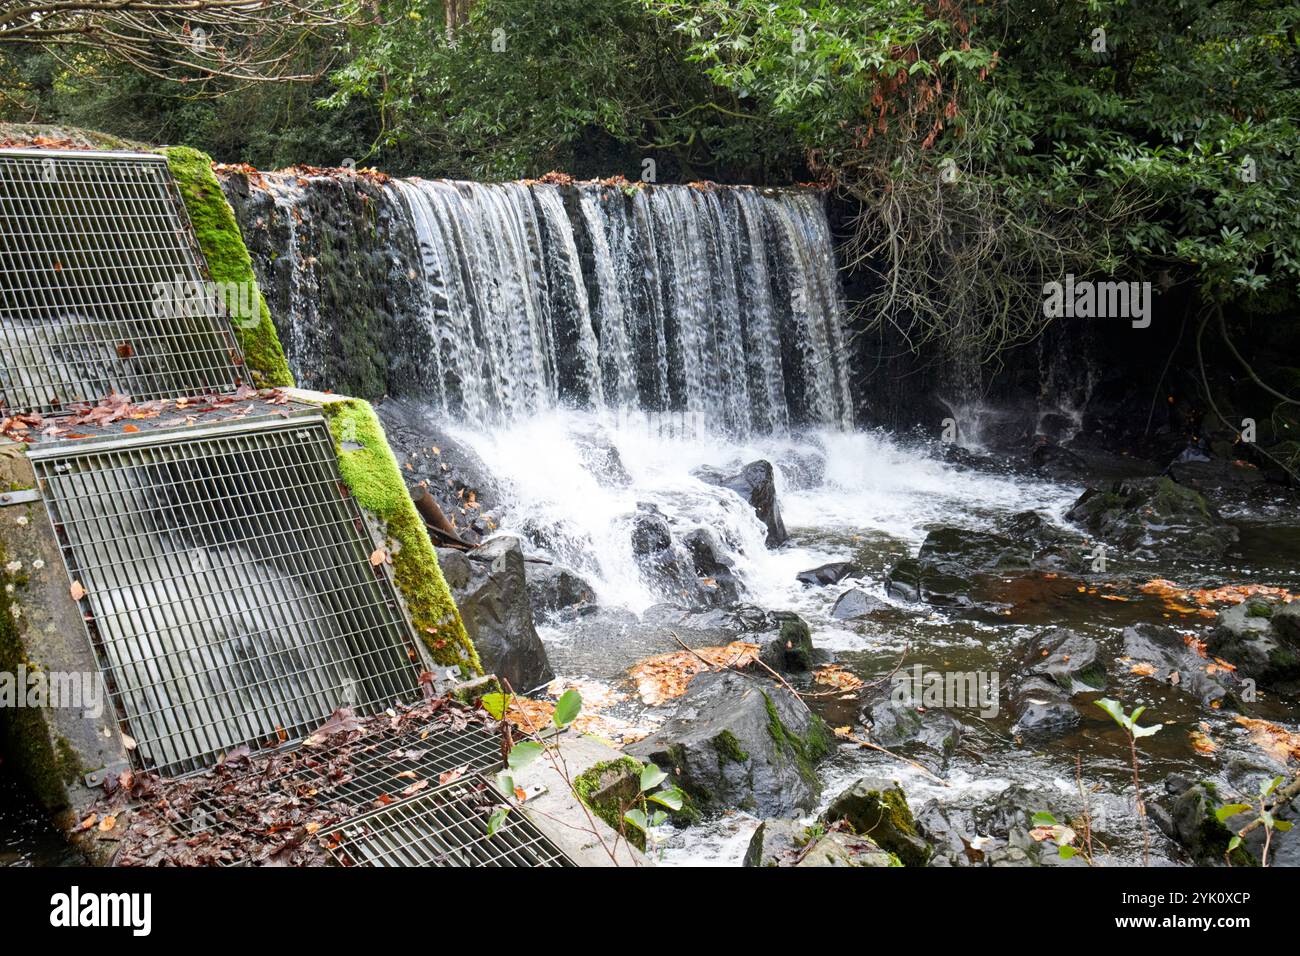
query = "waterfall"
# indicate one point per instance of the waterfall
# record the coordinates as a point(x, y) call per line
point(720, 305)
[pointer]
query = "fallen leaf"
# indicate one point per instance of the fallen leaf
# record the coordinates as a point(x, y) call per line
point(415, 788)
point(1202, 743)
point(378, 557)
point(130, 428)
point(77, 591)
point(1277, 742)
point(835, 675)
point(665, 676)
point(107, 824)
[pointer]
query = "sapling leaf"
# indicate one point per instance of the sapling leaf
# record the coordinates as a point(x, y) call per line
point(651, 777)
point(1230, 810)
point(495, 704)
point(524, 753)
point(567, 708)
point(505, 783)
point(1234, 843)
point(1281, 826)
point(498, 817)
point(637, 819)
point(1043, 819)
point(672, 798)
point(1113, 708)
point(1145, 731)
point(1066, 852)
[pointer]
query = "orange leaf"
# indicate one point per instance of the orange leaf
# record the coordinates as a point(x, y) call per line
point(77, 591)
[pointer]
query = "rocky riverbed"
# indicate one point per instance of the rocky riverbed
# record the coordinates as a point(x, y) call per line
point(850, 592)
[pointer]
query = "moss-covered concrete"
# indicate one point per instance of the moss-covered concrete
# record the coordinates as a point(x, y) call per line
point(45, 763)
point(607, 789)
point(228, 262)
point(372, 475)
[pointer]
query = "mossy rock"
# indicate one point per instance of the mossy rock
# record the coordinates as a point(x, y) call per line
point(876, 807)
point(228, 262)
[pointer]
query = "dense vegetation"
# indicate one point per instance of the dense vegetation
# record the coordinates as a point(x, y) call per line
point(991, 144)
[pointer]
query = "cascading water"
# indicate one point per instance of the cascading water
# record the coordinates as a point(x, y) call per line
point(512, 298)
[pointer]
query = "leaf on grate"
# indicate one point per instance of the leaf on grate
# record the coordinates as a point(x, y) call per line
point(77, 591)
point(378, 556)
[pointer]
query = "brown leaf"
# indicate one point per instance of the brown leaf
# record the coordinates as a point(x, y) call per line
point(415, 788)
point(107, 824)
point(378, 557)
point(77, 591)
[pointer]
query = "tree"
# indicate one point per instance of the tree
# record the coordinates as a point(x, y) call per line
point(187, 40)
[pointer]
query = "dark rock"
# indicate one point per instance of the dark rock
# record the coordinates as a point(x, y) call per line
point(735, 742)
point(1070, 660)
point(856, 603)
point(789, 843)
point(839, 848)
point(791, 650)
point(1187, 816)
point(1177, 663)
point(1262, 638)
point(1211, 473)
point(1057, 462)
point(1043, 710)
point(495, 606)
point(712, 565)
point(876, 807)
point(755, 484)
point(944, 571)
point(832, 573)
point(898, 724)
point(553, 589)
point(665, 563)
point(1152, 517)
point(455, 567)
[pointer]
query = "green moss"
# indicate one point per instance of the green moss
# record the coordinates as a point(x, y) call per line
point(26, 736)
point(608, 788)
point(1259, 609)
point(228, 262)
point(371, 474)
point(728, 748)
point(806, 750)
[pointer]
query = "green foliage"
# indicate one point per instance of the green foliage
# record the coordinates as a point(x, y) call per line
point(1127, 721)
point(522, 84)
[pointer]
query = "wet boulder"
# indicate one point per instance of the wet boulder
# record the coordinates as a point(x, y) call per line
point(756, 484)
point(716, 571)
point(1153, 517)
point(803, 470)
point(856, 603)
point(1177, 662)
point(1187, 815)
point(876, 807)
point(791, 650)
point(556, 591)
point(790, 843)
point(948, 564)
point(498, 616)
point(1051, 459)
point(898, 723)
point(825, 574)
point(1071, 661)
point(664, 562)
point(1043, 711)
point(1262, 638)
point(736, 742)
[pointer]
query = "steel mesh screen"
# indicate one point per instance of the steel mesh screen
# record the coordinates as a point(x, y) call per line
point(99, 285)
point(446, 827)
point(229, 594)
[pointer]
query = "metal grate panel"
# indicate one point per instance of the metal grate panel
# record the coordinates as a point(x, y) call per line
point(229, 595)
point(446, 827)
point(426, 754)
point(97, 274)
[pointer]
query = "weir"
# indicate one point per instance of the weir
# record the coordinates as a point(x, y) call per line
point(493, 301)
point(234, 566)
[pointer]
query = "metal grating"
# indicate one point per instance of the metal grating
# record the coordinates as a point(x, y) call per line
point(90, 245)
point(446, 827)
point(229, 595)
point(426, 754)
